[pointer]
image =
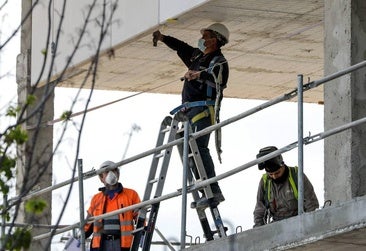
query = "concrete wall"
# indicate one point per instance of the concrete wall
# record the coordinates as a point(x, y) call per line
point(345, 99)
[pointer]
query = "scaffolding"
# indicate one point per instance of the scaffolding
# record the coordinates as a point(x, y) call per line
point(200, 184)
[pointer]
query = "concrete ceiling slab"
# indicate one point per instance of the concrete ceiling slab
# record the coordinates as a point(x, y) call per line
point(271, 42)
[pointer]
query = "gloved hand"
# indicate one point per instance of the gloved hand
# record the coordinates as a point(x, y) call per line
point(72, 244)
point(157, 36)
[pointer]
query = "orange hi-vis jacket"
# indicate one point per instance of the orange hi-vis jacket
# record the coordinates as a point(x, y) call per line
point(101, 203)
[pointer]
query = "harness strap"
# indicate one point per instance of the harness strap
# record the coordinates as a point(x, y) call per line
point(267, 183)
point(208, 112)
point(293, 181)
point(213, 105)
point(199, 116)
point(187, 105)
point(218, 82)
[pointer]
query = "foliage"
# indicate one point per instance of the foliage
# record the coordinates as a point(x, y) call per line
point(35, 206)
point(16, 135)
point(66, 115)
point(7, 165)
point(11, 137)
point(21, 238)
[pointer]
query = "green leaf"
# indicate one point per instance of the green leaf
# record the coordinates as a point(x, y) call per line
point(35, 206)
point(21, 238)
point(3, 187)
point(17, 135)
point(31, 99)
point(7, 164)
point(12, 111)
point(66, 115)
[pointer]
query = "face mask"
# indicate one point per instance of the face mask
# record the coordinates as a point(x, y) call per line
point(111, 178)
point(201, 44)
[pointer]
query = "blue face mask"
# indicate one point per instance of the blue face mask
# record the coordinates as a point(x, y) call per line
point(201, 44)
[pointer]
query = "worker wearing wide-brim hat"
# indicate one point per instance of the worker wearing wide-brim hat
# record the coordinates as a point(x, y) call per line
point(278, 190)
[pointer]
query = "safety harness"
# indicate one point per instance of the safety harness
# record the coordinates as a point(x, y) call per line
point(213, 106)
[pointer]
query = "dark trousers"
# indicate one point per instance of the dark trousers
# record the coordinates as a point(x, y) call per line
point(202, 143)
point(110, 245)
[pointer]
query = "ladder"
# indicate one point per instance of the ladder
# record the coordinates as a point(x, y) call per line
point(144, 232)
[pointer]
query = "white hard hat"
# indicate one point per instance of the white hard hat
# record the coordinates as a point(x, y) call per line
point(106, 164)
point(222, 31)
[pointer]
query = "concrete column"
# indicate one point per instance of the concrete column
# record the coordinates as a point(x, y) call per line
point(345, 99)
point(34, 164)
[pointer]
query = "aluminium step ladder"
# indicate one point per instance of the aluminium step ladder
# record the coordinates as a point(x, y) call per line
point(144, 232)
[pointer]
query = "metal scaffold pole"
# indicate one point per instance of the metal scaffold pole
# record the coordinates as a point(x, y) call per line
point(184, 186)
point(81, 204)
point(300, 149)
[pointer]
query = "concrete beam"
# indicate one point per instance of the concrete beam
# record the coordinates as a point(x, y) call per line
point(309, 229)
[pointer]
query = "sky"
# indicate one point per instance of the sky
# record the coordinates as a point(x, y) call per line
point(106, 133)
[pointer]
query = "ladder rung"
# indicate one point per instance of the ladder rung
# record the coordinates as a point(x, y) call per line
point(153, 181)
point(181, 130)
point(159, 155)
point(165, 130)
point(138, 230)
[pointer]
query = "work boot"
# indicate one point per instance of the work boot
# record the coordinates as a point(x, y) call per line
point(203, 202)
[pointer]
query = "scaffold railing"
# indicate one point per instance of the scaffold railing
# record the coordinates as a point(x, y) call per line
point(300, 142)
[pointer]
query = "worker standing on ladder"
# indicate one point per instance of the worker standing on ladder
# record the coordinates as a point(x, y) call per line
point(202, 92)
point(115, 232)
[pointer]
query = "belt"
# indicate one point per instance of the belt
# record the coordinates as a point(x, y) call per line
point(187, 105)
point(111, 237)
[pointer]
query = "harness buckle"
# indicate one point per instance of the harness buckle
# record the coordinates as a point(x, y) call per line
point(111, 237)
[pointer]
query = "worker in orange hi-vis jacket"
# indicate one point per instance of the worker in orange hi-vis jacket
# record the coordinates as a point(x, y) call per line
point(113, 233)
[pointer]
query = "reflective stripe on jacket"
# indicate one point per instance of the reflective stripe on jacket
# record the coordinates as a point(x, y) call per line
point(101, 204)
point(292, 178)
point(282, 199)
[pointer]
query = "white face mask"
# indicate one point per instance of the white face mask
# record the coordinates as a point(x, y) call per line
point(111, 178)
point(201, 44)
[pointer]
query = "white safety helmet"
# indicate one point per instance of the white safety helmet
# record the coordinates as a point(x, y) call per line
point(221, 31)
point(107, 163)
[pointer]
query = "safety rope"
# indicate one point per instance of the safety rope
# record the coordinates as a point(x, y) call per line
point(52, 122)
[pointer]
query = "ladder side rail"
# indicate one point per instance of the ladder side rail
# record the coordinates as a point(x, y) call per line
point(221, 229)
point(148, 231)
point(190, 175)
point(183, 232)
point(155, 161)
point(150, 228)
point(166, 159)
point(202, 216)
point(141, 219)
point(199, 167)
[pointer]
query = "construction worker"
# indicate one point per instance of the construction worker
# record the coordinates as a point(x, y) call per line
point(204, 81)
point(115, 232)
point(277, 192)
